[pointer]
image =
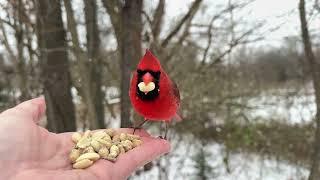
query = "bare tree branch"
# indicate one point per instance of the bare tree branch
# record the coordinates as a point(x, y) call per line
point(317, 5)
point(232, 45)
point(114, 10)
point(5, 41)
point(71, 23)
point(192, 11)
point(157, 19)
point(7, 22)
point(178, 44)
point(204, 57)
point(147, 17)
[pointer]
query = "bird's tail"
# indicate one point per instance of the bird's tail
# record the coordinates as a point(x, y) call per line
point(177, 117)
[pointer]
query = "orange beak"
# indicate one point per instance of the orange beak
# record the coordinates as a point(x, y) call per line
point(147, 78)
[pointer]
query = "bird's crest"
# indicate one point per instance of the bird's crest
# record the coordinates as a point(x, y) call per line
point(149, 62)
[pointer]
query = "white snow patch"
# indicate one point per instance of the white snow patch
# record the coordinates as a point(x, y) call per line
point(180, 165)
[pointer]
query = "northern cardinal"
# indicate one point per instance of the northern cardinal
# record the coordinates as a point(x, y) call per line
point(152, 93)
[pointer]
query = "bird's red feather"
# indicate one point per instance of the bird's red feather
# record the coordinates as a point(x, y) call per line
point(149, 61)
point(165, 106)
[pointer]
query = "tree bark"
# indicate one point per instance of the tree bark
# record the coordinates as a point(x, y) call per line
point(55, 67)
point(21, 66)
point(83, 89)
point(158, 17)
point(130, 52)
point(89, 63)
point(315, 71)
point(127, 24)
point(93, 47)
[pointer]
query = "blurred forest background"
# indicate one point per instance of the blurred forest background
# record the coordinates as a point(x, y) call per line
point(251, 110)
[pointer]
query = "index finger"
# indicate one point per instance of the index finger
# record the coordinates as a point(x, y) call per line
point(151, 149)
point(128, 162)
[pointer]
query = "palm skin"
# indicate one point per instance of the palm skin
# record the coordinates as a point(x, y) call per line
point(28, 151)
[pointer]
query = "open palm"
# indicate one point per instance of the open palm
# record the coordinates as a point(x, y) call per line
point(28, 151)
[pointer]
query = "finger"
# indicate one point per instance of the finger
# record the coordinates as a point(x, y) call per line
point(141, 155)
point(127, 163)
point(33, 109)
point(131, 160)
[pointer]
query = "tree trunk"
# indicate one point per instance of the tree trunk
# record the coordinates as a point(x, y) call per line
point(315, 71)
point(93, 47)
point(130, 51)
point(84, 71)
point(89, 64)
point(55, 67)
point(21, 66)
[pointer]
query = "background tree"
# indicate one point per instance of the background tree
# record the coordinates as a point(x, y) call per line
point(93, 48)
point(315, 71)
point(127, 23)
point(55, 67)
point(88, 64)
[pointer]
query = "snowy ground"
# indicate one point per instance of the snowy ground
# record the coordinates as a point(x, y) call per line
point(242, 166)
point(287, 106)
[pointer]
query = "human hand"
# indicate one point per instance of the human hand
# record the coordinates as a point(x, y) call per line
point(28, 151)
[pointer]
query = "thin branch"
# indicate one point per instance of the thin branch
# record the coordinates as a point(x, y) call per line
point(200, 25)
point(192, 11)
point(71, 23)
point(5, 41)
point(178, 45)
point(209, 41)
point(232, 44)
point(30, 49)
point(7, 22)
point(114, 10)
point(157, 19)
point(147, 17)
point(317, 5)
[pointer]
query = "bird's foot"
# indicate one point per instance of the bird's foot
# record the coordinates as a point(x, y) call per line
point(136, 128)
point(165, 138)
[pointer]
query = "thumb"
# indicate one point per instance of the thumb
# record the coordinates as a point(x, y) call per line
point(33, 109)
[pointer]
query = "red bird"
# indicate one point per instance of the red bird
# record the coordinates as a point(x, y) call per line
point(152, 93)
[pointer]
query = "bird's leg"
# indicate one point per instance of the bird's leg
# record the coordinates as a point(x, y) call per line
point(139, 126)
point(166, 131)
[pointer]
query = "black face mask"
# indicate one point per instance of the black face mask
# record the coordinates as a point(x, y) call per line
point(151, 95)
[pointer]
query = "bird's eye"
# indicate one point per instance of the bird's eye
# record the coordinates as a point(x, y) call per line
point(140, 72)
point(157, 74)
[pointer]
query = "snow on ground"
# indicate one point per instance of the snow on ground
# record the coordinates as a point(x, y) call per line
point(290, 107)
point(242, 166)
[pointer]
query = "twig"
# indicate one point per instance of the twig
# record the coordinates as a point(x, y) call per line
point(192, 11)
point(157, 19)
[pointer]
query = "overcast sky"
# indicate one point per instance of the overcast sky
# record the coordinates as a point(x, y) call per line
point(274, 12)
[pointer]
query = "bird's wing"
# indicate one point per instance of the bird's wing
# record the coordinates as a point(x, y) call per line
point(132, 81)
point(176, 92)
